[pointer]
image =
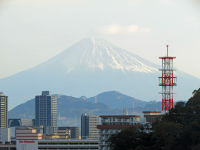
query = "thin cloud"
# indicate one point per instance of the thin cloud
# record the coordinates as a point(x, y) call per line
point(120, 29)
point(111, 29)
point(194, 22)
point(166, 2)
point(2, 3)
point(192, 19)
point(132, 28)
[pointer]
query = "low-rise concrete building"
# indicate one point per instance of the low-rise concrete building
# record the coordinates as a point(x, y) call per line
point(20, 122)
point(8, 146)
point(73, 130)
point(114, 124)
point(27, 138)
point(68, 144)
point(152, 116)
point(27, 133)
point(58, 145)
point(62, 134)
point(4, 135)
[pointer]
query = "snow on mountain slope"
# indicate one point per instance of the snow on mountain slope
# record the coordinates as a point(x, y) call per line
point(97, 54)
point(89, 67)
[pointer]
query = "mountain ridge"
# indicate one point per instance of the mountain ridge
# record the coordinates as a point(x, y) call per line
point(66, 73)
point(69, 108)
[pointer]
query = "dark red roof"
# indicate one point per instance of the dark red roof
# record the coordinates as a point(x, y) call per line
point(116, 126)
point(151, 111)
point(167, 57)
point(122, 116)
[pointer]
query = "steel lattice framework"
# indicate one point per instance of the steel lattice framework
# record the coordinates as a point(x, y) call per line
point(167, 81)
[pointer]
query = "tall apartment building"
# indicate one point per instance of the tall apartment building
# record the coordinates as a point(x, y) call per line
point(46, 112)
point(3, 111)
point(89, 126)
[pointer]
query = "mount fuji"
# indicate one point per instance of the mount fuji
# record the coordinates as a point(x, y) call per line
point(89, 67)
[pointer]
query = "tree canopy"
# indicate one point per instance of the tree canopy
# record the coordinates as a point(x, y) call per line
point(177, 129)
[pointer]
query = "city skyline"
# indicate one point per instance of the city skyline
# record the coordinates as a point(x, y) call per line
point(99, 74)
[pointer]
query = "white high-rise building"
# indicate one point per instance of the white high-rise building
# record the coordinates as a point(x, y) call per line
point(3, 111)
point(89, 126)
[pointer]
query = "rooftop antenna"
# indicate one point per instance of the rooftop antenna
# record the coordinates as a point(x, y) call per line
point(125, 111)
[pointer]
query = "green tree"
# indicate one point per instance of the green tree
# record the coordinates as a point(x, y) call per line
point(130, 139)
point(167, 135)
point(178, 129)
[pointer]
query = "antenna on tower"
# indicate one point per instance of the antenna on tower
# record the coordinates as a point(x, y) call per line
point(58, 95)
point(167, 50)
point(125, 111)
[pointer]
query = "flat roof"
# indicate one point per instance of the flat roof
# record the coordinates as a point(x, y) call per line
point(122, 116)
point(116, 126)
point(151, 111)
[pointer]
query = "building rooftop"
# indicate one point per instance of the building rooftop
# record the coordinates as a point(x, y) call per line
point(151, 112)
point(120, 116)
point(116, 126)
point(46, 93)
point(25, 128)
point(1, 94)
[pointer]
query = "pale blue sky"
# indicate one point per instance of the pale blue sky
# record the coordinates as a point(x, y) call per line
point(32, 31)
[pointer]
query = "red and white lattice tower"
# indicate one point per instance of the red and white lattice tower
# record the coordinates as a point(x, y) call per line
point(167, 81)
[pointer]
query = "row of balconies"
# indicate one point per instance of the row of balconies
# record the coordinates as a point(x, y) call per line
point(118, 120)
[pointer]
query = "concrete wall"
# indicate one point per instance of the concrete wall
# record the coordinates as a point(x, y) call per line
point(27, 145)
point(4, 135)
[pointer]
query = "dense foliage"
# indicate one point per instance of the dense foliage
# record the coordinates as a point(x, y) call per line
point(178, 129)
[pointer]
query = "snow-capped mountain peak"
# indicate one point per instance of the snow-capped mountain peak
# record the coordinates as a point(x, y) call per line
point(89, 67)
point(98, 54)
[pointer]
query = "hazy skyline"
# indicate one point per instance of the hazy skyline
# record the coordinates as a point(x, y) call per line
point(34, 31)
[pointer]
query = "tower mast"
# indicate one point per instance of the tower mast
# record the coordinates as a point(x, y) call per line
point(167, 81)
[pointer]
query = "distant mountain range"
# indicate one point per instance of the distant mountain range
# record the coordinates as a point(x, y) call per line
point(89, 67)
point(71, 108)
